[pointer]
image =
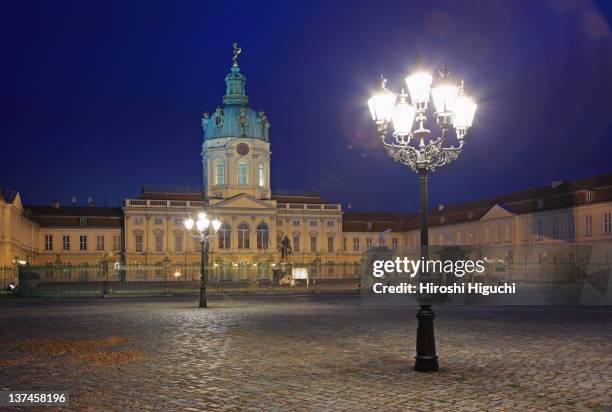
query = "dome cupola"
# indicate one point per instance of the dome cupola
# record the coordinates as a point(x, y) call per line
point(235, 118)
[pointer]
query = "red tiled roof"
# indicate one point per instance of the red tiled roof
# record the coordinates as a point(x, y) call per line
point(70, 216)
point(298, 199)
point(563, 195)
point(193, 196)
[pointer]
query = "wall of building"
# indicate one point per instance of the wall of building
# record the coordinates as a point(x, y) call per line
point(18, 234)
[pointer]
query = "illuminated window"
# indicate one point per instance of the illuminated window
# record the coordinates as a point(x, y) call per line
point(159, 243)
point(117, 242)
point(178, 243)
point(48, 242)
point(66, 242)
point(138, 243)
point(571, 228)
point(83, 242)
point(296, 244)
point(219, 173)
point(539, 230)
point(262, 236)
point(224, 235)
point(244, 234)
point(261, 175)
point(607, 223)
point(100, 242)
point(588, 225)
point(243, 176)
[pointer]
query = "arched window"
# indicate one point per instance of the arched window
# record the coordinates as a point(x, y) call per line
point(262, 179)
point(244, 235)
point(262, 236)
point(219, 172)
point(243, 172)
point(225, 236)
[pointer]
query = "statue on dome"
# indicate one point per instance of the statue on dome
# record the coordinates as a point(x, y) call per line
point(237, 51)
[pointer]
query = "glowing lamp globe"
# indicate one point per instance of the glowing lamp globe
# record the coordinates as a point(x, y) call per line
point(189, 223)
point(444, 96)
point(381, 104)
point(216, 224)
point(403, 117)
point(419, 85)
point(463, 112)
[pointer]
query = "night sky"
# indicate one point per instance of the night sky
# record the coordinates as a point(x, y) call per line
point(101, 98)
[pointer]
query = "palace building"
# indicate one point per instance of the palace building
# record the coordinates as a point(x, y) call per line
point(236, 164)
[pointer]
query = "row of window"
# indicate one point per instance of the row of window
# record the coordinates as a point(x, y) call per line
point(369, 243)
point(312, 223)
point(242, 173)
point(570, 227)
point(157, 220)
point(224, 241)
point(100, 244)
point(504, 233)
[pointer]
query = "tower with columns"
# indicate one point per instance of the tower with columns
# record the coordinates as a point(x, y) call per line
point(236, 146)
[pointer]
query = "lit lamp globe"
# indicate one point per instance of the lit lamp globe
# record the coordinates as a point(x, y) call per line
point(403, 117)
point(202, 223)
point(216, 224)
point(444, 95)
point(419, 85)
point(464, 110)
point(189, 223)
point(381, 104)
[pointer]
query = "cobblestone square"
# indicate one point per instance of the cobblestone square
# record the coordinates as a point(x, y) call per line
point(303, 353)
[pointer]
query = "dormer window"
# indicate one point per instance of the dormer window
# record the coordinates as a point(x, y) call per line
point(589, 196)
point(83, 221)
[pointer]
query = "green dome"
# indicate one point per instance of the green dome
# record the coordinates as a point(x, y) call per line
point(235, 118)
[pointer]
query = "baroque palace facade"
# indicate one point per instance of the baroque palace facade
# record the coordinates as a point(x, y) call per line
point(148, 229)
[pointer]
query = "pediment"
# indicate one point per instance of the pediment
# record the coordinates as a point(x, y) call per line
point(245, 201)
point(496, 212)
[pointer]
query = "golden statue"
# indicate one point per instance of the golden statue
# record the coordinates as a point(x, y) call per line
point(237, 51)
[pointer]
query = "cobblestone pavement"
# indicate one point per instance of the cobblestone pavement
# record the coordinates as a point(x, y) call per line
point(304, 353)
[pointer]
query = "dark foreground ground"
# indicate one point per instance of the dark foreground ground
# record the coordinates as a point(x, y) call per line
point(303, 353)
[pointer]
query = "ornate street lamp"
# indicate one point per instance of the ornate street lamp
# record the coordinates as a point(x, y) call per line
point(414, 146)
point(200, 231)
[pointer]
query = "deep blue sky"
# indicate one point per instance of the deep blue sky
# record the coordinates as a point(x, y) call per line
point(100, 98)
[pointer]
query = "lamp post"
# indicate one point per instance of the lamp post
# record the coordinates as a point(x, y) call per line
point(423, 153)
point(200, 231)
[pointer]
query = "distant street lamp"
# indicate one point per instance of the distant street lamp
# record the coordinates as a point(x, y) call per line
point(200, 231)
point(423, 153)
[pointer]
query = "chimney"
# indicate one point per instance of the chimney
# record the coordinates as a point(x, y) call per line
point(55, 204)
point(90, 202)
point(73, 201)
